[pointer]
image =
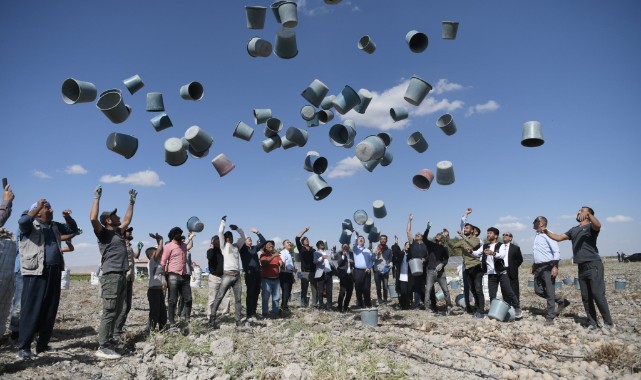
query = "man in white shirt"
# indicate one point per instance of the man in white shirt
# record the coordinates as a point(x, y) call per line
point(286, 275)
point(323, 275)
point(495, 262)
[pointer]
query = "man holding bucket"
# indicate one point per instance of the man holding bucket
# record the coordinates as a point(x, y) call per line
point(494, 264)
point(418, 250)
point(586, 255)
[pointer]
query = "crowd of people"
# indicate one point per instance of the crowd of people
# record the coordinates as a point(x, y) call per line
point(414, 269)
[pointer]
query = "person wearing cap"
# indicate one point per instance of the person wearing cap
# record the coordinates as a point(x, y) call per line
point(270, 265)
point(513, 262)
point(466, 247)
point(251, 266)
point(362, 271)
point(545, 268)
point(590, 267)
point(307, 268)
point(41, 266)
point(131, 276)
point(286, 276)
point(174, 261)
point(156, 286)
point(8, 253)
point(494, 264)
point(323, 275)
point(231, 270)
point(110, 231)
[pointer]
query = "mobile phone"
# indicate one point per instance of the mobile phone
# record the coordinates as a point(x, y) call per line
point(4, 183)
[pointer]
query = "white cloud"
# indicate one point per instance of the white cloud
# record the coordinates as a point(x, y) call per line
point(305, 9)
point(378, 115)
point(277, 241)
point(443, 85)
point(514, 226)
point(508, 218)
point(346, 167)
point(75, 169)
point(490, 106)
point(143, 178)
point(618, 219)
point(41, 174)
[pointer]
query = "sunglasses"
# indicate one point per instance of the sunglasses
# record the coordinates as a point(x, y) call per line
point(507, 235)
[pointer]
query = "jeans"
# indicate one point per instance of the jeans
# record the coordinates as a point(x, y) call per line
point(270, 288)
point(325, 284)
point(213, 286)
point(592, 286)
point(493, 282)
point(286, 281)
point(362, 284)
point(233, 282)
point(475, 281)
point(345, 292)
point(381, 281)
point(253, 282)
point(14, 325)
point(544, 286)
point(113, 288)
point(433, 277)
point(179, 285)
point(305, 280)
point(157, 308)
point(122, 317)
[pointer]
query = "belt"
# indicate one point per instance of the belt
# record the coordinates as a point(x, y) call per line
point(116, 272)
point(231, 273)
point(360, 268)
point(539, 265)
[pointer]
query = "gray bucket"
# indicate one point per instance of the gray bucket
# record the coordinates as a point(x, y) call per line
point(366, 99)
point(449, 30)
point(347, 225)
point(440, 296)
point(198, 139)
point(386, 137)
point(258, 47)
point(286, 143)
point(371, 164)
point(261, 115)
point(530, 283)
point(192, 91)
point(498, 309)
point(417, 142)
point(371, 148)
point(287, 12)
point(297, 135)
point(460, 300)
point(447, 125)
point(577, 283)
point(369, 224)
point(417, 41)
point(315, 92)
point(369, 317)
point(328, 102)
point(346, 100)
point(195, 225)
point(398, 113)
point(558, 285)
point(341, 134)
point(379, 209)
point(366, 44)
point(272, 143)
point(307, 112)
point(568, 280)
point(76, 91)
point(387, 158)
point(511, 315)
point(532, 134)
point(175, 151)
point(315, 163)
point(374, 235)
point(133, 84)
point(416, 267)
point(454, 284)
point(285, 46)
point(325, 116)
point(273, 126)
point(161, 122)
point(155, 102)
point(619, 284)
point(444, 173)
point(416, 91)
point(243, 131)
point(360, 217)
point(318, 187)
point(255, 16)
point(391, 289)
point(346, 237)
point(113, 106)
point(122, 144)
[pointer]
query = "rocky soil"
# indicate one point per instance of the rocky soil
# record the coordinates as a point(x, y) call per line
point(328, 345)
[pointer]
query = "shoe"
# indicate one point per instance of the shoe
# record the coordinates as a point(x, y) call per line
point(518, 314)
point(479, 315)
point(25, 355)
point(47, 350)
point(548, 322)
point(107, 353)
point(448, 310)
point(609, 327)
point(469, 310)
point(561, 305)
point(592, 327)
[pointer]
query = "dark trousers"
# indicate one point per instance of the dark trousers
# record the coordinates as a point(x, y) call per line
point(466, 288)
point(475, 281)
point(122, 317)
point(157, 308)
point(345, 292)
point(514, 284)
point(179, 285)
point(493, 282)
point(324, 284)
point(592, 284)
point(404, 294)
point(306, 279)
point(434, 277)
point(362, 284)
point(544, 287)
point(253, 282)
point(419, 289)
point(381, 280)
point(39, 307)
point(286, 282)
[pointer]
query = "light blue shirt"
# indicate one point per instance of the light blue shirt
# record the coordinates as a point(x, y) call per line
point(362, 257)
point(287, 259)
point(545, 249)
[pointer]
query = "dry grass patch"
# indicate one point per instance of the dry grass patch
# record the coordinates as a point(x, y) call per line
point(616, 355)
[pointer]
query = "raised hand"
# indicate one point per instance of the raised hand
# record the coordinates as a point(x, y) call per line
point(132, 196)
point(97, 193)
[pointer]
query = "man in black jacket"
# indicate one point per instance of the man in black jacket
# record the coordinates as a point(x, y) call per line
point(513, 262)
point(307, 268)
point(216, 263)
point(437, 259)
point(344, 270)
point(251, 267)
point(493, 262)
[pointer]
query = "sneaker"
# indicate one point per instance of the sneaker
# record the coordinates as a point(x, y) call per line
point(107, 353)
point(548, 322)
point(592, 327)
point(479, 315)
point(518, 314)
point(561, 305)
point(25, 355)
point(46, 350)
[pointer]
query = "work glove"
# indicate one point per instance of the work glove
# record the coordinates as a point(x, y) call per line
point(439, 267)
point(140, 245)
point(132, 196)
point(98, 192)
point(233, 227)
point(224, 218)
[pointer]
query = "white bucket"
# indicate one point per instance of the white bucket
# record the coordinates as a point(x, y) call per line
point(95, 280)
point(196, 278)
point(498, 309)
point(65, 279)
point(416, 267)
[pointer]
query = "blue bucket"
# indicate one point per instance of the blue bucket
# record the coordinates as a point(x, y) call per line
point(530, 283)
point(577, 284)
point(558, 285)
point(567, 280)
point(454, 284)
point(391, 289)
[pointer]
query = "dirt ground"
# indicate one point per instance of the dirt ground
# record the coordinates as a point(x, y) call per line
point(307, 344)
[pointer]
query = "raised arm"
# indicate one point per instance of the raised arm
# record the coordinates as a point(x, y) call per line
point(190, 240)
point(221, 230)
point(7, 202)
point(126, 221)
point(68, 248)
point(159, 249)
point(409, 228)
point(95, 209)
point(261, 239)
point(555, 237)
point(464, 217)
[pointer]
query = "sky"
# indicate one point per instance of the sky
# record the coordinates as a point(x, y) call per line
point(573, 66)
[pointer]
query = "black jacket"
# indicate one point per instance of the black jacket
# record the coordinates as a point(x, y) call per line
point(215, 261)
point(499, 264)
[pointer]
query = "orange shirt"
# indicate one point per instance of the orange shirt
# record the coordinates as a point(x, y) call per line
point(272, 269)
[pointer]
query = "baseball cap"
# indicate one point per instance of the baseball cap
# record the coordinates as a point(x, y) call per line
point(105, 215)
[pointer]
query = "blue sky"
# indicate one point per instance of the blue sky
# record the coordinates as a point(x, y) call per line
point(572, 65)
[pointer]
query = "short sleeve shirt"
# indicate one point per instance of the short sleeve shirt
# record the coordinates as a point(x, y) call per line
point(584, 243)
point(113, 251)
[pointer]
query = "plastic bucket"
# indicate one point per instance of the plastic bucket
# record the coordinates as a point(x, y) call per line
point(440, 296)
point(558, 285)
point(460, 300)
point(416, 267)
point(391, 289)
point(498, 309)
point(567, 281)
point(619, 284)
point(511, 315)
point(454, 284)
point(369, 317)
point(64, 279)
point(530, 283)
point(577, 284)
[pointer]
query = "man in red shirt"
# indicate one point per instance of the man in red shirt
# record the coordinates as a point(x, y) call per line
point(270, 264)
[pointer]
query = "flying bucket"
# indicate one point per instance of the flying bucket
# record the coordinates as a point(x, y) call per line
point(122, 144)
point(195, 225)
point(76, 91)
point(318, 187)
